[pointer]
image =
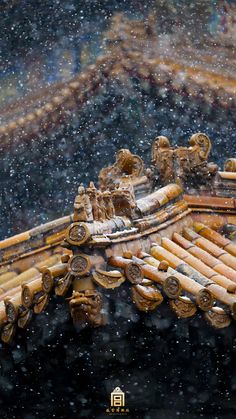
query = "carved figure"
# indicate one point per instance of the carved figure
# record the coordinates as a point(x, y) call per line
point(124, 200)
point(93, 196)
point(82, 206)
point(85, 307)
point(126, 164)
point(108, 205)
point(101, 206)
point(183, 164)
point(163, 159)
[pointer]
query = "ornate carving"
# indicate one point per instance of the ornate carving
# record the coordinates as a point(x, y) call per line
point(201, 144)
point(134, 273)
point(230, 165)
point(97, 212)
point(41, 302)
point(218, 318)
point(183, 307)
point(85, 308)
point(63, 284)
point(24, 319)
point(8, 332)
point(146, 298)
point(47, 282)
point(163, 160)
point(78, 233)
point(26, 297)
point(11, 311)
point(204, 299)
point(101, 206)
point(79, 265)
point(126, 164)
point(82, 206)
point(183, 164)
point(124, 200)
point(108, 205)
point(130, 229)
point(172, 287)
point(51, 276)
point(111, 279)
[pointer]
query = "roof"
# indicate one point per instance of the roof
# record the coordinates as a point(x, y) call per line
point(137, 229)
point(131, 232)
point(134, 56)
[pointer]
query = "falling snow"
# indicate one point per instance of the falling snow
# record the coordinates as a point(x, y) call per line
point(168, 369)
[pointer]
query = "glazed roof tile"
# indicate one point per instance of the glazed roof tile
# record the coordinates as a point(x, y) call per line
point(134, 56)
point(205, 281)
